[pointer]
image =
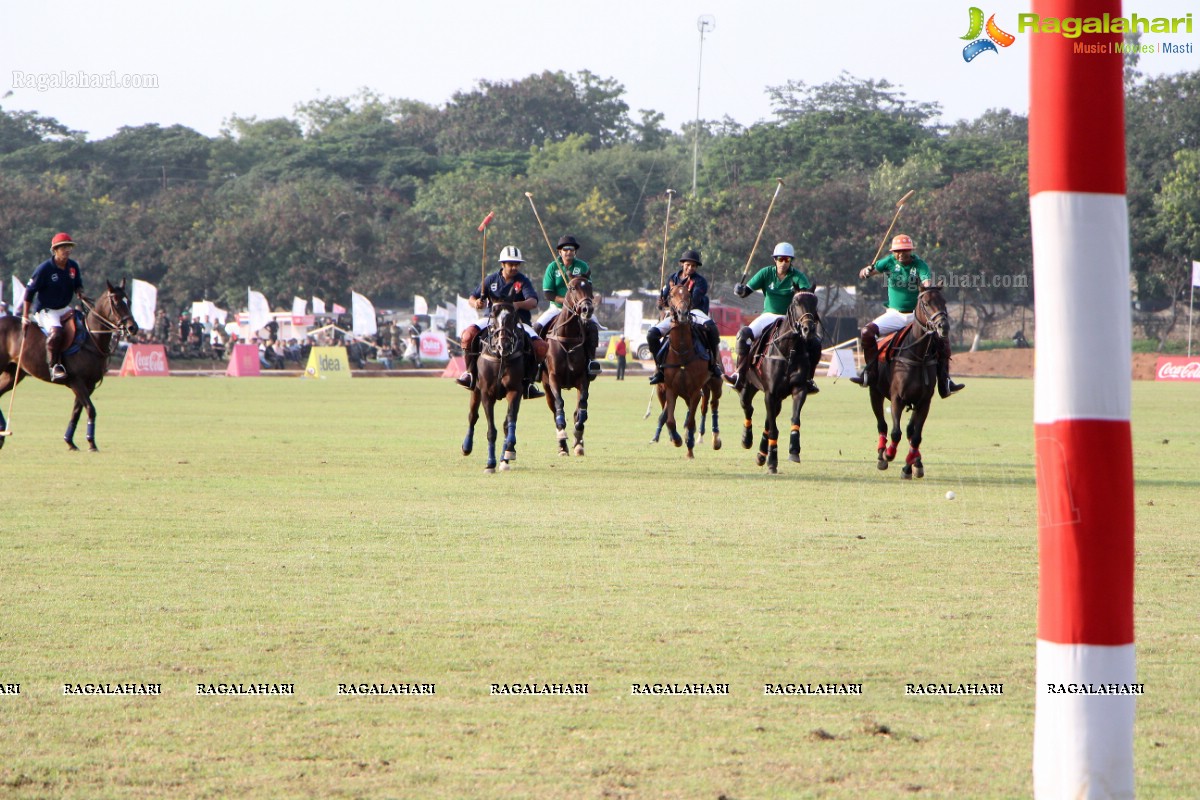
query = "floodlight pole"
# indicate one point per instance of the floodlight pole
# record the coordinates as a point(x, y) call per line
point(704, 23)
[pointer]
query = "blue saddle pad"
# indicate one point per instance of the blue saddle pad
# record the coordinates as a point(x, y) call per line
point(80, 334)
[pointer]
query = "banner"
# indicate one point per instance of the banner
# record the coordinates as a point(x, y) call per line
point(18, 296)
point(145, 359)
point(338, 309)
point(143, 301)
point(328, 362)
point(433, 346)
point(298, 305)
point(260, 311)
point(207, 311)
point(243, 362)
point(841, 363)
point(1196, 273)
point(1177, 368)
point(633, 320)
point(363, 316)
point(419, 305)
point(318, 306)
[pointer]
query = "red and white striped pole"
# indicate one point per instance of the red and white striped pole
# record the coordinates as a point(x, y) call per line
point(1083, 743)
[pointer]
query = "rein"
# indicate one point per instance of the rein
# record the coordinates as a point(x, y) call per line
point(114, 330)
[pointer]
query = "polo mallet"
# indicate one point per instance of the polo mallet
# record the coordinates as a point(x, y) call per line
point(899, 208)
point(761, 228)
point(662, 270)
point(16, 379)
point(650, 402)
point(553, 252)
point(483, 226)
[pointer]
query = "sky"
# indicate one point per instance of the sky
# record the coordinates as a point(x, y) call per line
point(260, 58)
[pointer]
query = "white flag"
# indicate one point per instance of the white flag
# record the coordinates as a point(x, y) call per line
point(363, 314)
point(419, 305)
point(1196, 273)
point(633, 321)
point(464, 316)
point(298, 305)
point(260, 311)
point(318, 305)
point(18, 295)
point(143, 301)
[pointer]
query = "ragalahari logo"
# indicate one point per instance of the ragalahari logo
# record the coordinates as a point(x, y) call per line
point(995, 36)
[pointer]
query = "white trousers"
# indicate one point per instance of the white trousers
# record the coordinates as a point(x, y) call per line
point(699, 316)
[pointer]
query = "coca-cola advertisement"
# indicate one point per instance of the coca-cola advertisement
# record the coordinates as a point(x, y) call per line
point(1177, 368)
point(145, 359)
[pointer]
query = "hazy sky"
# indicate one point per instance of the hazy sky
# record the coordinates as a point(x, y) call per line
point(260, 58)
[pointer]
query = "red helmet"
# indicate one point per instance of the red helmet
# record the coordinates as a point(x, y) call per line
point(902, 241)
point(61, 240)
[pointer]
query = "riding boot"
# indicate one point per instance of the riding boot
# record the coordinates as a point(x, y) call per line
point(470, 357)
point(54, 354)
point(713, 337)
point(946, 387)
point(870, 350)
point(814, 359)
point(738, 379)
point(537, 358)
point(654, 342)
point(591, 340)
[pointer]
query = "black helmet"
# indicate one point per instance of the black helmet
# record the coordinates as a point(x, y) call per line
point(567, 241)
point(691, 255)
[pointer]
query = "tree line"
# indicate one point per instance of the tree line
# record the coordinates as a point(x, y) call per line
point(384, 195)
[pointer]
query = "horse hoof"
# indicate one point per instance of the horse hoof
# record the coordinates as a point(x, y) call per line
point(747, 440)
point(760, 459)
point(71, 446)
point(504, 467)
point(677, 441)
point(920, 472)
point(794, 458)
point(881, 464)
point(772, 470)
point(489, 471)
point(716, 443)
point(578, 449)
point(690, 455)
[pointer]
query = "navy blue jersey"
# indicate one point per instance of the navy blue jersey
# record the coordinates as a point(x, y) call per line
point(51, 287)
point(698, 285)
point(495, 290)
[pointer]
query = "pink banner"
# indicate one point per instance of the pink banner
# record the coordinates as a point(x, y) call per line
point(1177, 368)
point(244, 362)
point(145, 359)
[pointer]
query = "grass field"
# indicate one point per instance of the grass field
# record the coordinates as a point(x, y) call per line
point(315, 533)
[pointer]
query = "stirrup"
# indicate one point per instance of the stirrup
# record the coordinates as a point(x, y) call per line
point(593, 369)
point(810, 386)
point(861, 378)
point(466, 380)
point(57, 372)
point(657, 378)
point(532, 392)
point(732, 379)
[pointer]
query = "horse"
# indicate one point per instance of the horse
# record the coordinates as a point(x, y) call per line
point(710, 396)
point(501, 373)
point(567, 360)
point(907, 375)
point(685, 371)
point(85, 355)
point(779, 366)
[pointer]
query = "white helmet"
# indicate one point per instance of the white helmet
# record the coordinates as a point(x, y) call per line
point(511, 253)
point(784, 249)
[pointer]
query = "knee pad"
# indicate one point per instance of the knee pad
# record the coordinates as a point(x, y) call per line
point(653, 339)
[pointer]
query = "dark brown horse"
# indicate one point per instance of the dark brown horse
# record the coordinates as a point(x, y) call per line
point(908, 377)
point(780, 365)
point(501, 371)
point(567, 360)
point(685, 370)
point(107, 321)
point(710, 397)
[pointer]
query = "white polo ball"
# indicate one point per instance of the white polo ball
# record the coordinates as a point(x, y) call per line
point(949, 495)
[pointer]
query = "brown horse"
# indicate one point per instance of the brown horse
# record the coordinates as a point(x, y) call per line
point(567, 360)
point(501, 371)
point(686, 371)
point(107, 321)
point(780, 364)
point(908, 377)
point(710, 397)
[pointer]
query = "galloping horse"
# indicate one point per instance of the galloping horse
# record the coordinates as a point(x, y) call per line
point(685, 370)
point(779, 366)
point(908, 376)
point(567, 360)
point(501, 371)
point(710, 396)
point(86, 362)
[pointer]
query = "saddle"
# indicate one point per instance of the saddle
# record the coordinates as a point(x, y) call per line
point(890, 345)
point(758, 348)
point(698, 345)
point(74, 332)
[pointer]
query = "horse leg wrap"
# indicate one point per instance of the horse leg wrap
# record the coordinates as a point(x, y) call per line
point(795, 429)
point(91, 430)
point(562, 434)
point(913, 456)
point(70, 434)
point(882, 442)
point(891, 451)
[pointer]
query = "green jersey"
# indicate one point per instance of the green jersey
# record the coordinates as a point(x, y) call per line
point(553, 284)
point(904, 283)
point(777, 292)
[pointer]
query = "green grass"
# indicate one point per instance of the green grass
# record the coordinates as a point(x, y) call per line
point(279, 530)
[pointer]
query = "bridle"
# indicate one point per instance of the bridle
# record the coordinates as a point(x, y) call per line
point(503, 341)
point(937, 323)
point(115, 323)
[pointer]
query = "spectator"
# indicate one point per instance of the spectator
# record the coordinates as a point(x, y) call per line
point(414, 342)
point(621, 350)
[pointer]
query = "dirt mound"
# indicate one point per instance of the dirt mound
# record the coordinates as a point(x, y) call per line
point(1014, 363)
